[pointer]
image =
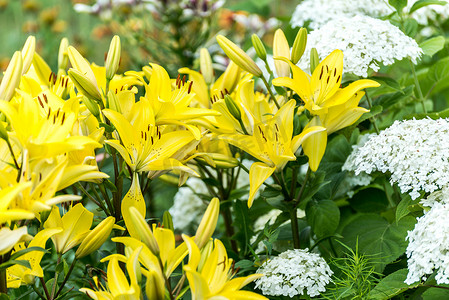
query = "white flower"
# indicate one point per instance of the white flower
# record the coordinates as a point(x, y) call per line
point(319, 12)
point(414, 152)
point(429, 14)
point(366, 42)
point(294, 272)
point(428, 247)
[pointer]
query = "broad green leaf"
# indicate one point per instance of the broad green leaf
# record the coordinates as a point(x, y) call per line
point(398, 4)
point(385, 242)
point(374, 111)
point(391, 99)
point(403, 207)
point(323, 216)
point(369, 200)
point(436, 294)
point(13, 262)
point(26, 250)
point(421, 3)
point(388, 82)
point(410, 27)
point(432, 45)
point(390, 286)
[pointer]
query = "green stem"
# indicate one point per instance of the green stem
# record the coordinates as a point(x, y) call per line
point(372, 119)
point(167, 281)
point(12, 154)
point(99, 204)
point(44, 286)
point(282, 184)
point(72, 266)
point(301, 191)
point(418, 86)
point(295, 229)
point(53, 289)
point(38, 292)
point(107, 199)
point(229, 228)
point(3, 282)
point(271, 93)
point(294, 181)
point(94, 189)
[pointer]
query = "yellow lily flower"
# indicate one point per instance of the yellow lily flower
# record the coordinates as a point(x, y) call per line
point(18, 274)
point(213, 279)
point(147, 147)
point(282, 49)
point(118, 286)
point(273, 144)
point(7, 195)
point(322, 90)
point(11, 78)
point(337, 117)
point(75, 225)
point(96, 237)
point(10, 238)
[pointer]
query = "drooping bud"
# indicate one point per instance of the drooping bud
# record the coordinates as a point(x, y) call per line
point(113, 58)
point(238, 56)
point(299, 45)
point(259, 47)
point(95, 238)
point(154, 288)
point(208, 223)
point(143, 230)
point(232, 107)
point(92, 106)
point(206, 66)
point(63, 57)
point(167, 221)
point(314, 60)
point(11, 80)
point(28, 53)
point(281, 49)
point(84, 85)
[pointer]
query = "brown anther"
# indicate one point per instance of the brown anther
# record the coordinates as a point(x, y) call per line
point(40, 102)
point(222, 95)
point(49, 112)
point(328, 77)
point(321, 74)
point(335, 72)
point(183, 79)
point(45, 98)
point(177, 79)
point(226, 91)
point(190, 87)
point(338, 78)
point(159, 133)
point(141, 134)
point(145, 135)
point(105, 56)
point(57, 112)
point(50, 78)
point(54, 118)
point(152, 141)
point(63, 118)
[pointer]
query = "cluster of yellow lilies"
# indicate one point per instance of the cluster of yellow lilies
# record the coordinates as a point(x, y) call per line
point(53, 125)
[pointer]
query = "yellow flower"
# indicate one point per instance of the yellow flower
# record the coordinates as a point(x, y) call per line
point(18, 274)
point(75, 225)
point(208, 223)
point(322, 90)
point(214, 278)
point(95, 238)
point(7, 195)
point(273, 144)
point(281, 49)
point(10, 238)
point(12, 76)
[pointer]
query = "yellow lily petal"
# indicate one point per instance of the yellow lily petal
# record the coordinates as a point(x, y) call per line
point(314, 145)
point(258, 173)
point(134, 198)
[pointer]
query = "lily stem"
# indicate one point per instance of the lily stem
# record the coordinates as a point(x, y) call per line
point(295, 229)
point(229, 228)
point(44, 286)
point(418, 86)
point(67, 276)
point(303, 187)
point(12, 154)
point(372, 119)
point(38, 292)
point(269, 90)
point(55, 282)
point(3, 282)
point(167, 280)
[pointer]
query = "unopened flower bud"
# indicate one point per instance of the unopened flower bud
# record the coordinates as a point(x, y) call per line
point(205, 253)
point(113, 103)
point(206, 66)
point(92, 106)
point(143, 230)
point(314, 60)
point(113, 58)
point(281, 49)
point(3, 132)
point(238, 56)
point(11, 80)
point(259, 47)
point(208, 223)
point(232, 107)
point(167, 221)
point(63, 57)
point(95, 238)
point(299, 45)
point(84, 85)
point(223, 161)
point(28, 53)
point(155, 288)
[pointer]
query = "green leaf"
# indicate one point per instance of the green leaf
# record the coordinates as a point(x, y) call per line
point(27, 250)
point(323, 216)
point(369, 200)
point(388, 82)
point(378, 238)
point(375, 110)
point(410, 27)
point(398, 4)
point(421, 3)
point(391, 285)
point(403, 207)
point(315, 184)
point(13, 262)
point(438, 74)
point(242, 224)
point(436, 294)
point(4, 297)
point(391, 99)
point(432, 45)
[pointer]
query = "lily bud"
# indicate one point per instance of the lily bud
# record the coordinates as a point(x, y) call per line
point(80, 64)
point(223, 161)
point(28, 53)
point(143, 230)
point(84, 85)
point(3, 132)
point(113, 102)
point(95, 238)
point(230, 78)
point(167, 221)
point(205, 253)
point(208, 223)
point(113, 58)
point(232, 107)
point(282, 49)
point(11, 80)
point(154, 288)
point(259, 47)
point(63, 57)
point(206, 66)
point(238, 56)
point(92, 106)
point(299, 45)
point(314, 60)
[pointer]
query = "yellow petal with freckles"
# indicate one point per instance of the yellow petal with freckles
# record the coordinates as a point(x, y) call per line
point(134, 198)
point(258, 173)
point(314, 145)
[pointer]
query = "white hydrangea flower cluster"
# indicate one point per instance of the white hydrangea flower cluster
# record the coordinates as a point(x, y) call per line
point(366, 42)
point(428, 247)
point(415, 152)
point(294, 272)
point(319, 12)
